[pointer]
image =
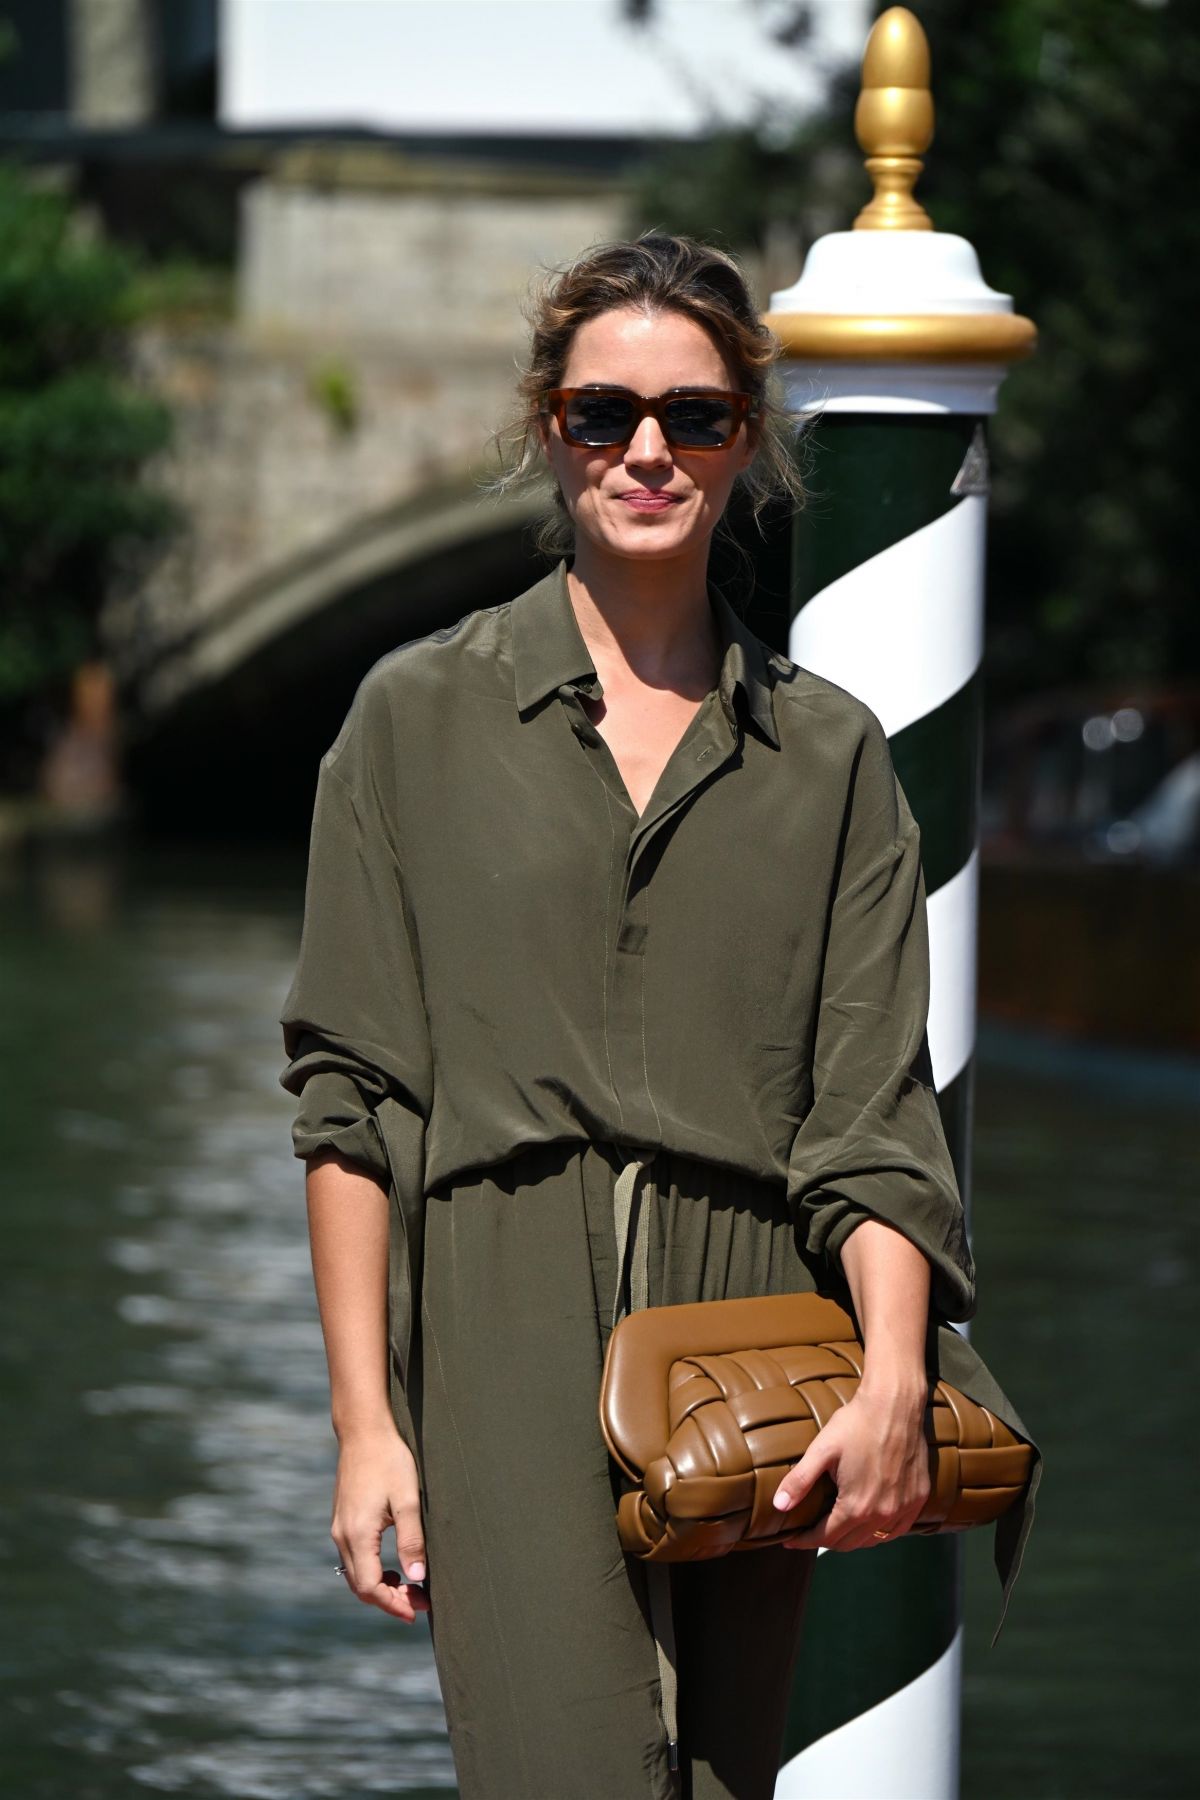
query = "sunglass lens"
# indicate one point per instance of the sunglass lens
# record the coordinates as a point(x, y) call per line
point(599, 418)
point(699, 421)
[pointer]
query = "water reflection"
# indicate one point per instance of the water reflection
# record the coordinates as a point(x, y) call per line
point(164, 1543)
point(170, 1564)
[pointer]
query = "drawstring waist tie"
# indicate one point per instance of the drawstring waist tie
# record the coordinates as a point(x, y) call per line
point(630, 1200)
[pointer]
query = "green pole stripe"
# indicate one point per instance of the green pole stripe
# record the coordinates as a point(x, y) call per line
point(876, 480)
point(956, 1105)
point(937, 762)
point(876, 1622)
point(903, 1600)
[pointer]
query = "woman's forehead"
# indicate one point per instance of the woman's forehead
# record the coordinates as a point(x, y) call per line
point(628, 346)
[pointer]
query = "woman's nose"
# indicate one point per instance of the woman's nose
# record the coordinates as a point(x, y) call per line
point(648, 445)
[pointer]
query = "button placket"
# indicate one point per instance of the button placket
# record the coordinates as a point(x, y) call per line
point(704, 749)
point(593, 744)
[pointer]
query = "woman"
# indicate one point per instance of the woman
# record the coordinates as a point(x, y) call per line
point(604, 892)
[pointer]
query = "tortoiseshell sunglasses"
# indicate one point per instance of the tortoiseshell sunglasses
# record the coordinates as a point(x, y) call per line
point(597, 417)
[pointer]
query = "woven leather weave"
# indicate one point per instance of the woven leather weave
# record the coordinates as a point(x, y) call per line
point(706, 1436)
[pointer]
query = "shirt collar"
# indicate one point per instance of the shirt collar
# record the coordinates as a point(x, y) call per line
point(549, 650)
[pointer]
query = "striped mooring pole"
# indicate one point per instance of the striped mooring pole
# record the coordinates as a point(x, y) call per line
point(892, 336)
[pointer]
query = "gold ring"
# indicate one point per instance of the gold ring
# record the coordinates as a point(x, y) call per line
point(883, 1534)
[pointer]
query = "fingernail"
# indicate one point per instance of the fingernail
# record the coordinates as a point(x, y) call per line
point(782, 1500)
point(416, 1571)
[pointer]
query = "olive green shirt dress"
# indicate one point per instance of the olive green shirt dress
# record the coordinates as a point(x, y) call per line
point(509, 985)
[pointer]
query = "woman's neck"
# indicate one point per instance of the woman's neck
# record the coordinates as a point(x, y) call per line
point(651, 617)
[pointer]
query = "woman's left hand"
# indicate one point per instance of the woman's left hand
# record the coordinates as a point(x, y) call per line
point(875, 1451)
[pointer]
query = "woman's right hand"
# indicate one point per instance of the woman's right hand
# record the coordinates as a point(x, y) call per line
point(378, 1488)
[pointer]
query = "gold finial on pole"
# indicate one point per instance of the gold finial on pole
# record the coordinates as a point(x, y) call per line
point(893, 121)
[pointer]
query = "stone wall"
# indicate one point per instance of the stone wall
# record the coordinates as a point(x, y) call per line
point(278, 449)
point(354, 244)
point(371, 356)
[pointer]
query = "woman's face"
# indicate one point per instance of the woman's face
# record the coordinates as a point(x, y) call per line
point(649, 353)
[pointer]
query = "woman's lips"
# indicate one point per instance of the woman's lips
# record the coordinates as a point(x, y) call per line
point(648, 502)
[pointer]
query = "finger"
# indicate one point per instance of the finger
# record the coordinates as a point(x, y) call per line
point(410, 1541)
point(864, 1532)
point(369, 1581)
point(911, 1514)
point(363, 1561)
point(895, 1524)
point(827, 1533)
point(345, 1561)
point(864, 1537)
point(885, 1516)
point(801, 1478)
point(398, 1597)
point(392, 1594)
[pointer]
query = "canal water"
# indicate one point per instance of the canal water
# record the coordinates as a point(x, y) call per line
point(173, 1623)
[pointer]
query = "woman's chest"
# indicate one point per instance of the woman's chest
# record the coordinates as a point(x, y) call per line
point(528, 856)
point(639, 734)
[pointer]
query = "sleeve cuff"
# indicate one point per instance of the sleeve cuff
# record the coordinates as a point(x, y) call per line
point(952, 1292)
point(333, 1115)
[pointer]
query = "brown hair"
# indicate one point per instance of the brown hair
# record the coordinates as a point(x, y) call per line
point(655, 271)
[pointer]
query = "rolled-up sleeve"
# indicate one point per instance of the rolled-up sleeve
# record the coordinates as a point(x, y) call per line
point(354, 1024)
point(872, 1143)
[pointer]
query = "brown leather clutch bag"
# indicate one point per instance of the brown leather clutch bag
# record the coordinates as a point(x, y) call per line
point(706, 1406)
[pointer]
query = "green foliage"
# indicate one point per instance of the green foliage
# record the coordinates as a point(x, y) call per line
point(724, 191)
point(1060, 152)
point(182, 291)
point(75, 433)
point(332, 387)
point(1061, 129)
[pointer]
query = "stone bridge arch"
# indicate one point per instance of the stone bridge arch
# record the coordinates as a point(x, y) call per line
point(228, 723)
